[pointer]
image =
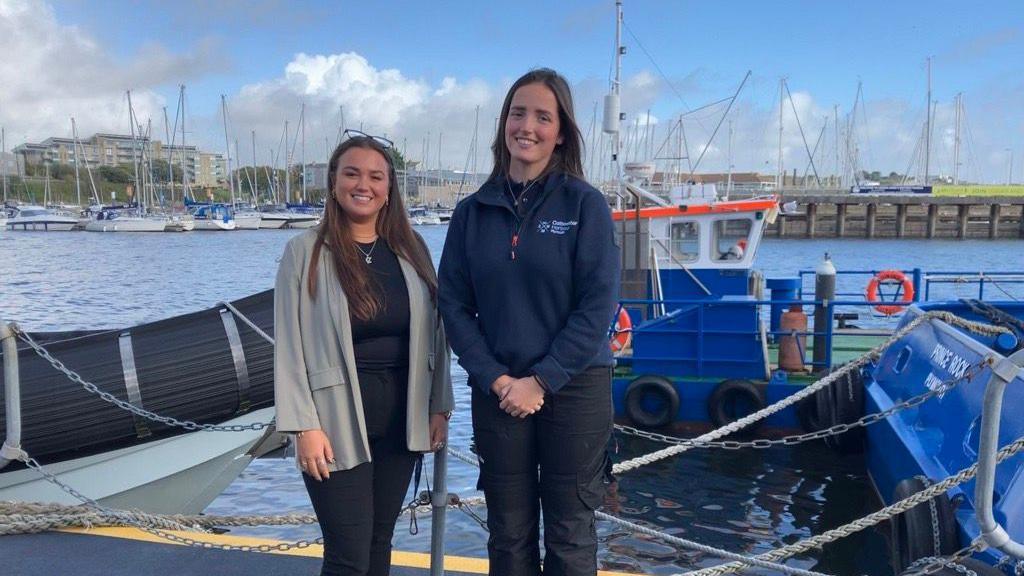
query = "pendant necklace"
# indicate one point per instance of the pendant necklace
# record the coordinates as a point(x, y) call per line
point(367, 254)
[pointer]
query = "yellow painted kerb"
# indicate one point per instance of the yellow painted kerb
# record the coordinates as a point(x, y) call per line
point(398, 558)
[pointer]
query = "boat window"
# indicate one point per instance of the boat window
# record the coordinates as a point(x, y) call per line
point(685, 241)
point(730, 238)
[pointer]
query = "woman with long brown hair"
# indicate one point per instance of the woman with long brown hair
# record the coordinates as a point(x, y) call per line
point(528, 288)
point(360, 357)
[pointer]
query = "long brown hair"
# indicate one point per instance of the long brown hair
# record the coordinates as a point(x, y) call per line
point(567, 156)
point(362, 292)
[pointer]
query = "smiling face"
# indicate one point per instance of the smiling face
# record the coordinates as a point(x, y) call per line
point(532, 130)
point(361, 184)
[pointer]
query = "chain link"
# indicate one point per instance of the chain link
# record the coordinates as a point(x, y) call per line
point(932, 564)
point(934, 509)
point(107, 397)
point(841, 428)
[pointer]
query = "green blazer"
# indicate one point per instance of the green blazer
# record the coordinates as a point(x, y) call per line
point(315, 381)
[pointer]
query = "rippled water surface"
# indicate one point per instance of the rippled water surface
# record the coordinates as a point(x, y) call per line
point(750, 501)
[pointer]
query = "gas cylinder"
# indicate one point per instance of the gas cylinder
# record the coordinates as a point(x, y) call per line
point(792, 346)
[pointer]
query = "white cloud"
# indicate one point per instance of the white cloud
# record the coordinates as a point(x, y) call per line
point(51, 72)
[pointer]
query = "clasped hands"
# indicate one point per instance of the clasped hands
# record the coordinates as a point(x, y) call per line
point(519, 397)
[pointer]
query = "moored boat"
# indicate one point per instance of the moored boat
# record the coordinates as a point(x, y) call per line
point(126, 460)
point(38, 218)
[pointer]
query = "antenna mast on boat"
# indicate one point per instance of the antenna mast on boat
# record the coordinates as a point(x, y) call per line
point(612, 105)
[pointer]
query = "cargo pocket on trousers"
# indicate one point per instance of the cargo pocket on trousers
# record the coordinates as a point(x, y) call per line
point(591, 485)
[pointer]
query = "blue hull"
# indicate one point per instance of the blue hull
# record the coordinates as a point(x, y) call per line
point(940, 437)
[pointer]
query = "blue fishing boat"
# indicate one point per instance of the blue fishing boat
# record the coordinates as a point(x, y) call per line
point(704, 340)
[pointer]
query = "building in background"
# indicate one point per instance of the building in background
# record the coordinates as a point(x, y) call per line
point(203, 169)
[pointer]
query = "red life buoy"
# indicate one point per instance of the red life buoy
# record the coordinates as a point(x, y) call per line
point(622, 331)
point(890, 277)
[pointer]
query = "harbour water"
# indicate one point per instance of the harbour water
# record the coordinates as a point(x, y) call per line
point(748, 501)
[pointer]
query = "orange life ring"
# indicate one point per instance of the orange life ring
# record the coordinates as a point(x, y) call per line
point(889, 277)
point(622, 331)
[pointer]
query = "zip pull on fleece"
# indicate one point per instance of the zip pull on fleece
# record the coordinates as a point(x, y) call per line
point(515, 242)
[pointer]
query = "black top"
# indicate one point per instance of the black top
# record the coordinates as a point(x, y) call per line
point(383, 341)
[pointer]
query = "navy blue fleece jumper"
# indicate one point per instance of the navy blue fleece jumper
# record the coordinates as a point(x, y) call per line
point(531, 294)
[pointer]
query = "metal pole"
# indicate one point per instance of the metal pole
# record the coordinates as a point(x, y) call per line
point(1003, 370)
point(12, 395)
point(439, 505)
point(824, 293)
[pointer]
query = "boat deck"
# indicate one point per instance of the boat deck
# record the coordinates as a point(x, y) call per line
point(116, 551)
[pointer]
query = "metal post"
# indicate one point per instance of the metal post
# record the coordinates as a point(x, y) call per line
point(439, 505)
point(824, 293)
point(12, 395)
point(1003, 370)
point(917, 285)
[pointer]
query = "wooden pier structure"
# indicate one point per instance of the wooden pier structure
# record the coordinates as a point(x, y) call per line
point(842, 215)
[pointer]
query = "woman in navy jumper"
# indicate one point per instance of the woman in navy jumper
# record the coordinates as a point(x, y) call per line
point(528, 285)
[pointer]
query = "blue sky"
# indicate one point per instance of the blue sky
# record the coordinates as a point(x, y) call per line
point(702, 48)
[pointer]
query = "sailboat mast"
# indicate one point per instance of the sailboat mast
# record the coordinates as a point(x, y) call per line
point(78, 182)
point(184, 173)
point(255, 176)
point(170, 160)
point(287, 166)
point(227, 148)
point(956, 141)
point(135, 144)
point(779, 177)
point(928, 125)
point(302, 124)
point(3, 160)
point(835, 122)
point(728, 182)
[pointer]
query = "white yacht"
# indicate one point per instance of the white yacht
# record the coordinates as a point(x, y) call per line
point(213, 217)
point(31, 217)
point(117, 220)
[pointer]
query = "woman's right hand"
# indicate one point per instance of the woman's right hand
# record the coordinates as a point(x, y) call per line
point(314, 452)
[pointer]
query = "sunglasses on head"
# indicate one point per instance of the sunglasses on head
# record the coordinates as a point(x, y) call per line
point(384, 142)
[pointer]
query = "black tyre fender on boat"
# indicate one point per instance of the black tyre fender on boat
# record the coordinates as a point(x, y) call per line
point(913, 535)
point(847, 406)
point(813, 412)
point(645, 391)
point(734, 399)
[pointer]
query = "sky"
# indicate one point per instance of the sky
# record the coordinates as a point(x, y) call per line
point(417, 72)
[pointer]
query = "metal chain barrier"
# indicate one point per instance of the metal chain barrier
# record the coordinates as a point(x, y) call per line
point(873, 354)
point(872, 519)
point(932, 564)
point(107, 397)
point(763, 443)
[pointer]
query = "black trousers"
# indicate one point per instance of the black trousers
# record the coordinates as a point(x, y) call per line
point(357, 508)
point(553, 459)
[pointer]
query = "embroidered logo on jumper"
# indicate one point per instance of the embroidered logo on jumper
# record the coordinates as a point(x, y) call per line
point(559, 227)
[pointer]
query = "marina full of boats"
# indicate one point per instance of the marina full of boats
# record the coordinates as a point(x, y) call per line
point(200, 216)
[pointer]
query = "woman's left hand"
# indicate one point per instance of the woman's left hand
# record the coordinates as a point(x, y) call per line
point(438, 432)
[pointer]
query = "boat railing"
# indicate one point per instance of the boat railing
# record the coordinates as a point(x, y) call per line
point(1004, 369)
point(833, 334)
point(928, 284)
